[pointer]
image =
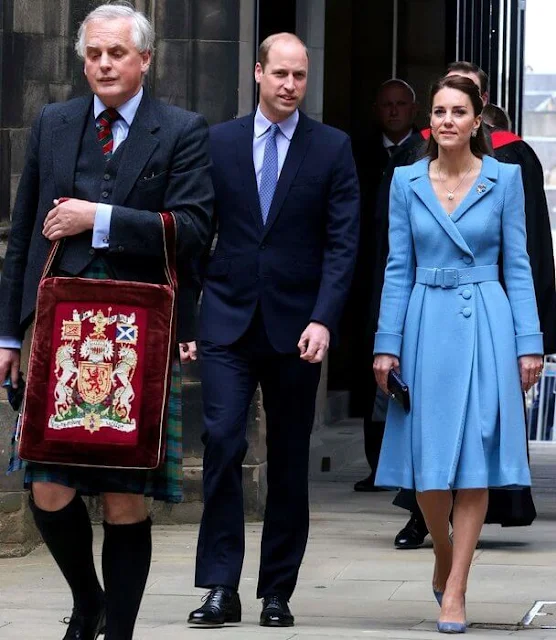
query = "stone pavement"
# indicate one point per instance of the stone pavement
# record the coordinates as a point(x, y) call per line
point(353, 583)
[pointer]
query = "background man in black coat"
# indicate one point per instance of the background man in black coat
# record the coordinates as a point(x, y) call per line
point(395, 112)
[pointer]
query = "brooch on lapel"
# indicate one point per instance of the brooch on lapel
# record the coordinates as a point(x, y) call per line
point(481, 188)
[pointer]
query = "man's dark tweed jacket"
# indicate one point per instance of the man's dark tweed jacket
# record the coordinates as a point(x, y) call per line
point(164, 166)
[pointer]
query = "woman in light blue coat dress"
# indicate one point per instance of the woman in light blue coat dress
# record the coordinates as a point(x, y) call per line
point(466, 347)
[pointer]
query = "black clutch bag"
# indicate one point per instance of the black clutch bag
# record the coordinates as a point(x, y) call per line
point(399, 391)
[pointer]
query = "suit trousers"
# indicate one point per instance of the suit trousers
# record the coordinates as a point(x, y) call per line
point(230, 375)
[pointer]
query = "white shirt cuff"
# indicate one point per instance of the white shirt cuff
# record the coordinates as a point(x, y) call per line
point(101, 227)
point(9, 343)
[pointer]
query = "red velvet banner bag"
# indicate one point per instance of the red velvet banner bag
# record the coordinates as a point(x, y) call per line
point(99, 373)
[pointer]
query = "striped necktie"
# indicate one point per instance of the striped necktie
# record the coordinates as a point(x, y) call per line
point(104, 131)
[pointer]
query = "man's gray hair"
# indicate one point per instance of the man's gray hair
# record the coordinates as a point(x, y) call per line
point(142, 31)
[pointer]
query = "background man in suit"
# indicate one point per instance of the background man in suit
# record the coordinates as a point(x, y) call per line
point(287, 206)
point(508, 508)
point(395, 113)
point(119, 157)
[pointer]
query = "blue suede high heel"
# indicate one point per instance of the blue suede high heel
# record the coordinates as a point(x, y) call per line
point(438, 595)
point(451, 627)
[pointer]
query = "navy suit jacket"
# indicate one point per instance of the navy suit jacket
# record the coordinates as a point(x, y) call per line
point(164, 167)
point(298, 267)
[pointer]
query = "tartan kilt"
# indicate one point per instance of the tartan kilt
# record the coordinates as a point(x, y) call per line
point(164, 483)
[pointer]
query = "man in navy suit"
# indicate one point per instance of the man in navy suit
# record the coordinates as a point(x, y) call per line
point(287, 207)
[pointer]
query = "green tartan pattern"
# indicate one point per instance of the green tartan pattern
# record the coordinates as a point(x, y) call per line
point(164, 483)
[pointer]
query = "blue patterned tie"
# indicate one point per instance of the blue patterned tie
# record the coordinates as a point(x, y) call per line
point(269, 173)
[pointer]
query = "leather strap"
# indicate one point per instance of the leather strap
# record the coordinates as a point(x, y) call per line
point(169, 243)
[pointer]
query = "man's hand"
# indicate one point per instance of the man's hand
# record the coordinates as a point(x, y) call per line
point(9, 365)
point(314, 342)
point(69, 217)
point(188, 352)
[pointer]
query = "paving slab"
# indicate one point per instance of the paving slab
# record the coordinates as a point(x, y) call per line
point(353, 584)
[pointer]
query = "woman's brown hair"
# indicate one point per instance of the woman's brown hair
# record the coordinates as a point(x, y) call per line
point(479, 144)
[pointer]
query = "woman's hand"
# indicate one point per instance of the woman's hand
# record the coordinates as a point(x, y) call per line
point(530, 369)
point(382, 365)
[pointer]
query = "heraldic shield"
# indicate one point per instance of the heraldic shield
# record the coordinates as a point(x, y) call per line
point(100, 368)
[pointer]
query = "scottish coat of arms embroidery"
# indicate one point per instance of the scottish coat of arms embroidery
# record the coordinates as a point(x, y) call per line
point(94, 368)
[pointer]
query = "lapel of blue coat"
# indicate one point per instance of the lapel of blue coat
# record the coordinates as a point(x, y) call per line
point(420, 183)
point(65, 142)
point(139, 147)
point(247, 168)
point(485, 182)
point(296, 153)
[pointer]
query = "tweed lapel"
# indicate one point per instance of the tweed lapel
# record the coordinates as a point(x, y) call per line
point(139, 147)
point(65, 142)
point(247, 168)
point(421, 185)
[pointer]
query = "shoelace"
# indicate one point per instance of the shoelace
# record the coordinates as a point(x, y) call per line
point(211, 595)
point(273, 601)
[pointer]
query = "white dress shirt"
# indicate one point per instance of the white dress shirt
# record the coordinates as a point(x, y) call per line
point(388, 144)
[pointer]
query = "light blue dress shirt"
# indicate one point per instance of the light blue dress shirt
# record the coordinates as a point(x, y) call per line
point(120, 129)
point(260, 133)
point(101, 228)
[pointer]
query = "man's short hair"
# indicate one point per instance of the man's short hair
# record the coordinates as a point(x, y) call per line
point(496, 117)
point(470, 67)
point(265, 45)
point(142, 31)
point(397, 82)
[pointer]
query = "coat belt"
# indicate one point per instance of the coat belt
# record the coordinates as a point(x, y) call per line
point(453, 278)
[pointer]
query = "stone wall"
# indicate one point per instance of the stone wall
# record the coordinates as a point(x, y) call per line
point(18, 535)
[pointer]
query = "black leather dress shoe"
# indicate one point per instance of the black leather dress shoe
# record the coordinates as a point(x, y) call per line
point(368, 484)
point(276, 612)
point(85, 627)
point(413, 534)
point(221, 605)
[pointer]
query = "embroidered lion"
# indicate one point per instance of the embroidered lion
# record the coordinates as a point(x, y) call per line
point(66, 374)
point(123, 373)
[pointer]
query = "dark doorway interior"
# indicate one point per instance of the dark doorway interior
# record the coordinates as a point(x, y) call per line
point(367, 43)
point(274, 17)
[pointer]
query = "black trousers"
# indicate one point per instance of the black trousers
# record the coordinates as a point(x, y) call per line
point(230, 375)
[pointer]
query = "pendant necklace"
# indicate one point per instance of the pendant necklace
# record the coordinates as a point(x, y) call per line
point(451, 193)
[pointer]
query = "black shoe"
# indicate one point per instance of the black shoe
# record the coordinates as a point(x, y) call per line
point(276, 612)
point(221, 605)
point(368, 484)
point(85, 627)
point(413, 534)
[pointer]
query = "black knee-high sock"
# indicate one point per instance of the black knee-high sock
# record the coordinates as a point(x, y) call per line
point(69, 538)
point(126, 560)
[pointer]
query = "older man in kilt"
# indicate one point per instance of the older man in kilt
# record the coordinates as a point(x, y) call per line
point(98, 170)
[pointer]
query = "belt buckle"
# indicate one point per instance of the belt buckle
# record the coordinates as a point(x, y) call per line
point(449, 279)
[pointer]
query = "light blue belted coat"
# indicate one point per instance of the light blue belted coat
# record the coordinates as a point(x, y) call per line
point(457, 333)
